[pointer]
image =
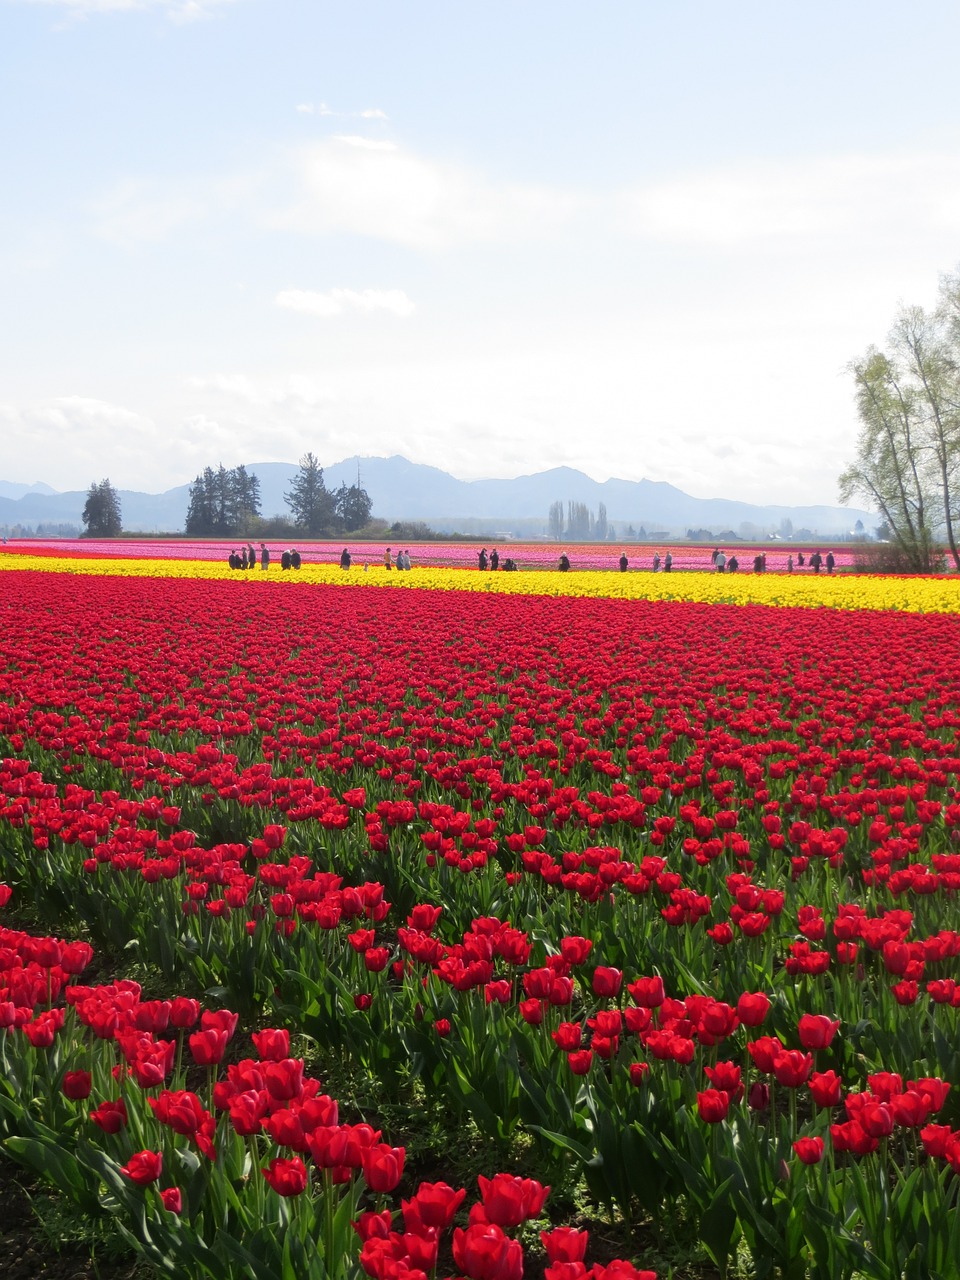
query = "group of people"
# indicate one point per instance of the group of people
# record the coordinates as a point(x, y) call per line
point(401, 561)
point(817, 561)
point(247, 558)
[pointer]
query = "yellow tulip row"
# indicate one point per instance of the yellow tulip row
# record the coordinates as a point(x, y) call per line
point(840, 591)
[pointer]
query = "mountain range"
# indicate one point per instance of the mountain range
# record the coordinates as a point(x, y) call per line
point(409, 491)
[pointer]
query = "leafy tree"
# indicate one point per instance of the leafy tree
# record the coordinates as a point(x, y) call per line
point(600, 529)
point(579, 521)
point(555, 521)
point(101, 512)
point(313, 505)
point(353, 506)
point(908, 449)
point(889, 470)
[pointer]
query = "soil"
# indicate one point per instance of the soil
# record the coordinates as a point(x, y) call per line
point(30, 1252)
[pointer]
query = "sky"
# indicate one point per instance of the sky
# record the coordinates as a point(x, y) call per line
point(640, 239)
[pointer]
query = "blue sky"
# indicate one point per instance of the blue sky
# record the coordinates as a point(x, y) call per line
point(640, 239)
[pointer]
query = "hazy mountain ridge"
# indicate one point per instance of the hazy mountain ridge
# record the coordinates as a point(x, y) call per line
point(404, 490)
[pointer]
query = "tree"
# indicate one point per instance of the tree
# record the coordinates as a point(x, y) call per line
point(555, 521)
point(353, 506)
point(223, 503)
point(101, 511)
point(312, 504)
point(600, 529)
point(889, 470)
point(579, 521)
point(908, 450)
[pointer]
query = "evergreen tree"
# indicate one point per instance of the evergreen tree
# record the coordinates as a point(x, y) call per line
point(222, 502)
point(353, 506)
point(312, 504)
point(201, 511)
point(101, 512)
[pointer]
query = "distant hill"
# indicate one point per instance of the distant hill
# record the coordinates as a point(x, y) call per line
point(404, 490)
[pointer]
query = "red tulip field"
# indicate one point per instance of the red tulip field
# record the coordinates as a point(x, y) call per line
point(652, 902)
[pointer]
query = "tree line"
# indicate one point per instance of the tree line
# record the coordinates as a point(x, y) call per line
point(580, 525)
point(908, 450)
point(225, 502)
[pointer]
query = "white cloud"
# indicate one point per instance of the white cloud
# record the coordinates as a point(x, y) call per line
point(365, 144)
point(77, 439)
point(376, 188)
point(374, 113)
point(336, 301)
point(181, 11)
point(772, 201)
point(295, 393)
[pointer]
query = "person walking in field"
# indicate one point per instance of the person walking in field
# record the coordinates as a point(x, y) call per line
point(482, 560)
point(623, 562)
point(830, 562)
point(668, 562)
point(656, 562)
point(494, 559)
point(720, 561)
point(295, 558)
point(387, 559)
point(344, 559)
point(816, 560)
point(264, 557)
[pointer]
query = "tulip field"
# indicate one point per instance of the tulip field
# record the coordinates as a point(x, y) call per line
point(643, 886)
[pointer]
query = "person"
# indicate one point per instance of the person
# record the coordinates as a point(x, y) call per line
point(623, 562)
point(494, 559)
point(243, 558)
point(232, 559)
point(668, 562)
point(830, 562)
point(763, 562)
point(816, 560)
point(285, 561)
point(264, 558)
point(656, 561)
point(758, 563)
point(482, 559)
point(295, 558)
point(509, 565)
point(564, 565)
point(387, 559)
point(251, 556)
point(399, 559)
point(720, 561)
point(790, 563)
point(733, 564)
point(406, 560)
point(344, 559)
point(800, 559)
point(713, 557)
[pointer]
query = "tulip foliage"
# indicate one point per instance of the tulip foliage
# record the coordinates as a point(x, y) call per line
point(666, 888)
